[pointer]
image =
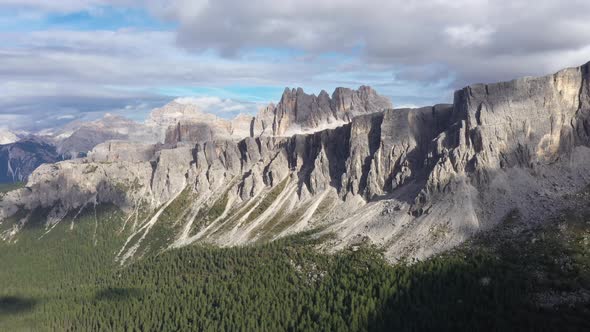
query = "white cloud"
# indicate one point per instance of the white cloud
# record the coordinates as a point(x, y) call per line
point(469, 36)
point(185, 10)
point(216, 105)
point(417, 52)
point(466, 36)
point(407, 106)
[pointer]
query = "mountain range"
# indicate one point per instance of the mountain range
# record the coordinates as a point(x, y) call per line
point(182, 120)
point(319, 213)
point(414, 182)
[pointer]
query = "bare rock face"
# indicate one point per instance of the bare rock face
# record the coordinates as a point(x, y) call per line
point(390, 148)
point(312, 166)
point(195, 131)
point(187, 131)
point(263, 123)
point(298, 112)
point(357, 102)
point(529, 123)
point(84, 139)
point(114, 151)
point(413, 181)
point(241, 125)
point(170, 174)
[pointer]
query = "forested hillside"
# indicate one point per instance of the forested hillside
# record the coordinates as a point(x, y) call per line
point(67, 279)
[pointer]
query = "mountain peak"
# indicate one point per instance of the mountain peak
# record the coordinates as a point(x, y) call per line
point(300, 112)
point(7, 136)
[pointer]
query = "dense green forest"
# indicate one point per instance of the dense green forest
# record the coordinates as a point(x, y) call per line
point(67, 279)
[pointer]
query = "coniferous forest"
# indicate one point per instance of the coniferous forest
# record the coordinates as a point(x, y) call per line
point(68, 280)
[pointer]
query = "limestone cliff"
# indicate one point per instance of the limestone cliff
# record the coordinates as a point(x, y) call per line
point(299, 112)
point(414, 181)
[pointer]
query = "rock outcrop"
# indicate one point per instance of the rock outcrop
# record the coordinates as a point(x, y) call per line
point(298, 112)
point(413, 181)
point(526, 123)
point(114, 151)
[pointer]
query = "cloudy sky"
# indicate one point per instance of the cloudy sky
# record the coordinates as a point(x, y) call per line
point(62, 60)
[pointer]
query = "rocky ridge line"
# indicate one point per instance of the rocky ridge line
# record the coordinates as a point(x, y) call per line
point(414, 181)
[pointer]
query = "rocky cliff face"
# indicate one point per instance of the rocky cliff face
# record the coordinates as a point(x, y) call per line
point(526, 123)
point(114, 151)
point(414, 181)
point(298, 112)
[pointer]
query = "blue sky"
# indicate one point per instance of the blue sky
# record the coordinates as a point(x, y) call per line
point(23, 19)
point(63, 60)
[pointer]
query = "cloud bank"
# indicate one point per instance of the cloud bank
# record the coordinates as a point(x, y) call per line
point(63, 60)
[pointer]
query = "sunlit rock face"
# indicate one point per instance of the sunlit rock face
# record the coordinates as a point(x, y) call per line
point(298, 112)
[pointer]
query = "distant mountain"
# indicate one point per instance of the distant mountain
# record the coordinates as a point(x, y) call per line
point(183, 120)
point(87, 135)
point(19, 159)
point(7, 136)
